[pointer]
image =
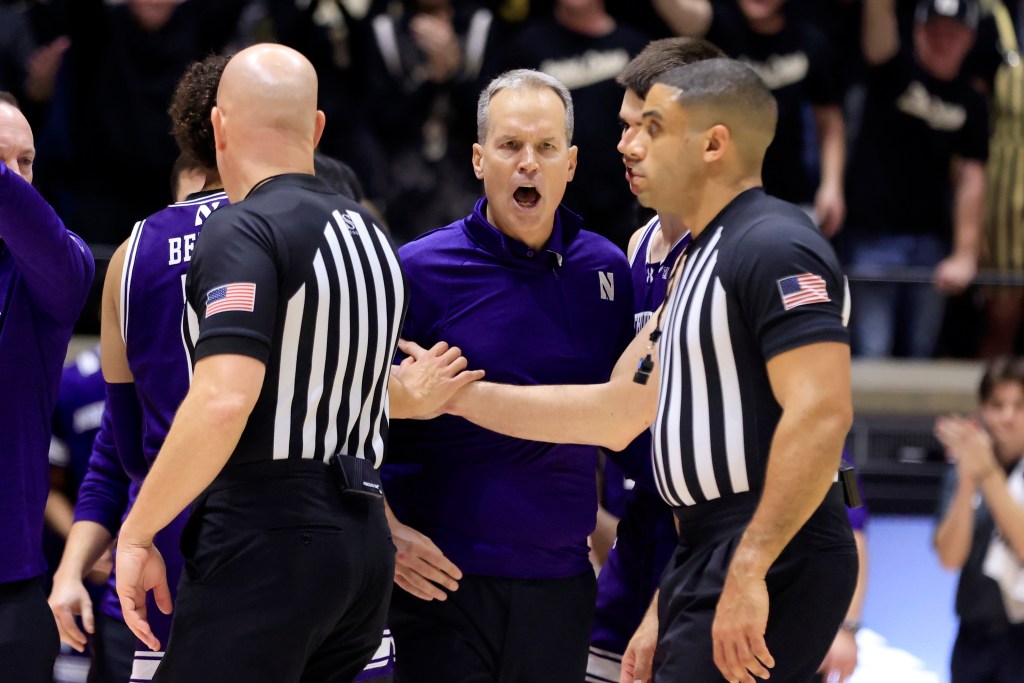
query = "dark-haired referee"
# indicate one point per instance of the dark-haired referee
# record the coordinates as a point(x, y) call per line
point(749, 391)
point(297, 300)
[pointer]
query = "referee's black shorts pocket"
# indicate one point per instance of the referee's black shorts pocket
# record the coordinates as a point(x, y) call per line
point(827, 539)
point(217, 551)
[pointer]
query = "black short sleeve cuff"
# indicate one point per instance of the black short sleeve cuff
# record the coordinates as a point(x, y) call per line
point(234, 344)
point(790, 342)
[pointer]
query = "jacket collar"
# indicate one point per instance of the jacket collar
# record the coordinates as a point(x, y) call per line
point(567, 226)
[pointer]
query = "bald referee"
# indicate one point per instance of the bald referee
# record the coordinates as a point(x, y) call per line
point(297, 299)
point(747, 371)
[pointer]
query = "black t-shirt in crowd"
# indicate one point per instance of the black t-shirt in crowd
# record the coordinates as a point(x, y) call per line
point(799, 67)
point(898, 176)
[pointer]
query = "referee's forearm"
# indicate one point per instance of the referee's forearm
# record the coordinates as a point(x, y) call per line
point(589, 414)
point(205, 432)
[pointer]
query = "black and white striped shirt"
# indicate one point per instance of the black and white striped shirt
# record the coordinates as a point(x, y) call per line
point(758, 281)
point(301, 279)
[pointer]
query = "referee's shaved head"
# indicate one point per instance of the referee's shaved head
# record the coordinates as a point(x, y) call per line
point(272, 86)
point(726, 92)
point(266, 121)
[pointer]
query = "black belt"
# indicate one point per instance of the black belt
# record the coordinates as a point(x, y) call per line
point(711, 520)
point(353, 476)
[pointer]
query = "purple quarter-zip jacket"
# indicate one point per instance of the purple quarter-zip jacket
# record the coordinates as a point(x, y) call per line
point(45, 273)
point(495, 505)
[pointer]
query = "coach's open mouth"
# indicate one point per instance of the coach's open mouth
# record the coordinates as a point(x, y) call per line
point(526, 196)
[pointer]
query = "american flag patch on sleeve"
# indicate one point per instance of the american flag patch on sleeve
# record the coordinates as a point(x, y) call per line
point(237, 296)
point(800, 290)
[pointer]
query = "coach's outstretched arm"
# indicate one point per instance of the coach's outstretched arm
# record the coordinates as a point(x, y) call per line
point(609, 415)
point(812, 384)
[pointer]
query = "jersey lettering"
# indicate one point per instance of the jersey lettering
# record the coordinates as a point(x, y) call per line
point(607, 282)
point(180, 249)
point(204, 211)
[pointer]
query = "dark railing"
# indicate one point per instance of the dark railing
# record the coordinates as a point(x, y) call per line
point(923, 275)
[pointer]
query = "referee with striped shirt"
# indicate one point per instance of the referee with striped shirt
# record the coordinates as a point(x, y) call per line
point(297, 299)
point(748, 370)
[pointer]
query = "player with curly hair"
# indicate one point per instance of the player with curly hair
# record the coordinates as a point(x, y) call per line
point(148, 370)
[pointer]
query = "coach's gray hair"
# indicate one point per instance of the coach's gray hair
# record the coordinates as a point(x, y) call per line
point(521, 79)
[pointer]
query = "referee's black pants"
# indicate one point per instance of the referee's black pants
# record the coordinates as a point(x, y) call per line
point(810, 586)
point(496, 630)
point(28, 633)
point(285, 580)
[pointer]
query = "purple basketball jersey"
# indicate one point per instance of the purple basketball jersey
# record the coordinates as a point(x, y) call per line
point(152, 301)
point(646, 535)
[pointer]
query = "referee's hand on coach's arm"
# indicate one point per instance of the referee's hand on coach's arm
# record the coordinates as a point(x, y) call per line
point(426, 380)
point(420, 566)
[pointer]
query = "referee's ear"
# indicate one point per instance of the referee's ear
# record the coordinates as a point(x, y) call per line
point(217, 119)
point(318, 128)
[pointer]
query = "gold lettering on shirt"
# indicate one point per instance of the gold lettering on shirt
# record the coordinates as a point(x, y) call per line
point(778, 71)
point(593, 66)
point(916, 101)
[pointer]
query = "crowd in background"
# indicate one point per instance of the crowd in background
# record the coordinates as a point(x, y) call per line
point(884, 131)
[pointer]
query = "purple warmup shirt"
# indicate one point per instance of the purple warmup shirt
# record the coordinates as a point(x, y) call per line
point(495, 505)
point(45, 273)
point(76, 419)
point(105, 490)
point(104, 496)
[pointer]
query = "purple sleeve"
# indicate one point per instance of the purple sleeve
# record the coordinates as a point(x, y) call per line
point(125, 413)
point(103, 496)
point(55, 263)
